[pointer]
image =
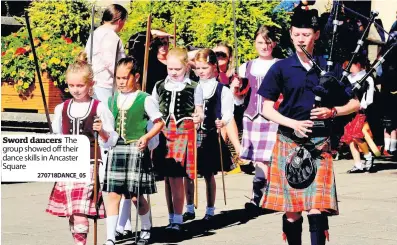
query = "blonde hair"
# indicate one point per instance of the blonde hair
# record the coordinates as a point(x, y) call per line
point(82, 67)
point(180, 53)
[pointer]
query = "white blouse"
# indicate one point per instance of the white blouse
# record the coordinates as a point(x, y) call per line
point(368, 96)
point(104, 55)
point(79, 110)
point(227, 100)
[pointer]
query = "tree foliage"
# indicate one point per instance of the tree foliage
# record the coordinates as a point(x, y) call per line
point(203, 23)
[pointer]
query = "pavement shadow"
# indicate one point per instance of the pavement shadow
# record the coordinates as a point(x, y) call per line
point(385, 166)
point(198, 228)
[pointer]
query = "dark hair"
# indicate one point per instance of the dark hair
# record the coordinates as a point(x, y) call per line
point(130, 60)
point(113, 13)
point(267, 32)
point(231, 63)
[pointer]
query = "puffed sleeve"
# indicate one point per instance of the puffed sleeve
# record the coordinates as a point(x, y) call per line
point(108, 125)
point(227, 103)
point(57, 120)
point(198, 96)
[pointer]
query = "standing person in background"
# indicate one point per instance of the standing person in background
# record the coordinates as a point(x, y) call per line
point(259, 134)
point(104, 50)
point(232, 133)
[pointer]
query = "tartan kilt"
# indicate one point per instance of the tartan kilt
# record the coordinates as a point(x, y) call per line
point(259, 137)
point(174, 157)
point(127, 168)
point(208, 153)
point(321, 194)
point(354, 129)
point(68, 198)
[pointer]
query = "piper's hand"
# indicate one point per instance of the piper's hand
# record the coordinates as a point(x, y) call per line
point(196, 118)
point(302, 127)
point(142, 143)
point(97, 126)
point(219, 124)
point(320, 113)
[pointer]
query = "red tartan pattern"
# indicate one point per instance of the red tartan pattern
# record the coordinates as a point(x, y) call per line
point(180, 144)
point(354, 129)
point(68, 198)
point(321, 194)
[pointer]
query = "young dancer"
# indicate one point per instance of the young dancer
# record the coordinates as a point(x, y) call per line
point(181, 103)
point(354, 136)
point(218, 111)
point(259, 134)
point(129, 169)
point(77, 116)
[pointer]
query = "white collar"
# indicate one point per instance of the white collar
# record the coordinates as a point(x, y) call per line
point(168, 79)
point(356, 77)
point(211, 80)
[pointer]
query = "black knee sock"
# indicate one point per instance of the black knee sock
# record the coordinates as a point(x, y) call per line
point(257, 189)
point(293, 230)
point(318, 224)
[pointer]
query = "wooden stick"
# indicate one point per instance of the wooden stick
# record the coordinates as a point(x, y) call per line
point(36, 62)
point(174, 33)
point(223, 174)
point(96, 187)
point(147, 46)
point(195, 168)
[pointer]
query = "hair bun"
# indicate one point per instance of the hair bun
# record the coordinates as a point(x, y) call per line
point(82, 58)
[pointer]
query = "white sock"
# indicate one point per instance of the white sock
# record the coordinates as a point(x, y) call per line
point(190, 208)
point(178, 219)
point(387, 144)
point(359, 165)
point(393, 145)
point(145, 225)
point(111, 224)
point(170, 218)
point(368, 156)
point(127, 226)
point(124, 214)
point(210, 211)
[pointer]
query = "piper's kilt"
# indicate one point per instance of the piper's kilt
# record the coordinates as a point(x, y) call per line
point(259, 137)
point(68, 198)
point(127, 168)
point(321, 194)
point(354, 129)
point(174, 157)
point(208, 153)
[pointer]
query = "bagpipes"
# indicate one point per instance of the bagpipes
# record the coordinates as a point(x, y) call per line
point(328, 80)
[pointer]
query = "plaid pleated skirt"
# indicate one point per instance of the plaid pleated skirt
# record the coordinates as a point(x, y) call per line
point(321, 194)
point(259, 137)
point(68, 198)
point(174, 157)
point(127, 169)
point(354, 129)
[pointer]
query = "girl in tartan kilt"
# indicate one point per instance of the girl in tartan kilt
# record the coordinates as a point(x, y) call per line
point(78, 116)
point(218, 111)
point(301, 176)
point(259, 134)
point(181, 102)
point(354, 136)
point(129, 169)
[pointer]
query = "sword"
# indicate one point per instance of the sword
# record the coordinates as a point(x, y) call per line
point(36, 63)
